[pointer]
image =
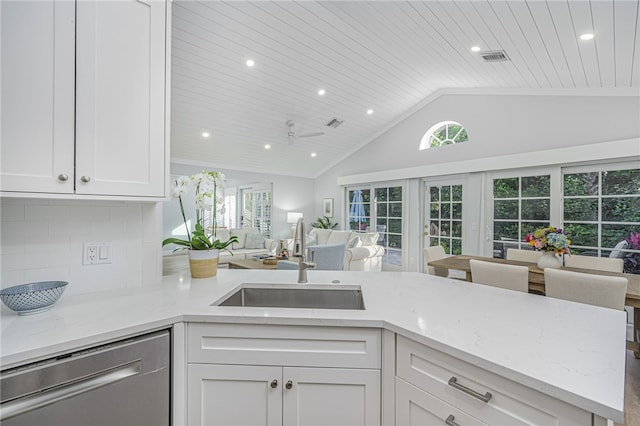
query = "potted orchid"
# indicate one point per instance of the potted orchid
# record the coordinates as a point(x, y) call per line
point(203, 245)
point(553, 242)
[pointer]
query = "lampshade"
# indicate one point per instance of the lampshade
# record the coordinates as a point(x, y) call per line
point(292, 217)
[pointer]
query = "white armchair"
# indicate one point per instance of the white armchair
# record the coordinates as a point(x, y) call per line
point(362, 251)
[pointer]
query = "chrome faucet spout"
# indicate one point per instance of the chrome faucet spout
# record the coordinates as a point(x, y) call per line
point(299, 250)
point(299, 240)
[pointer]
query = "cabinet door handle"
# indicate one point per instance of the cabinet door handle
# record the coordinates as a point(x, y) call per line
point(85, 179)
point(274, 383)
point(453, 381)
point(62, 177)
point(450, 421)
point(289, 384)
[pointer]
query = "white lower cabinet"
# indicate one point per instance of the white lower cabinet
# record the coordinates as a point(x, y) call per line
point(435, 388)
point(419, 408)
point(283, 375)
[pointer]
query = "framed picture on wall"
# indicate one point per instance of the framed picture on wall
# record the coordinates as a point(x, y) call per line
point(327, 207)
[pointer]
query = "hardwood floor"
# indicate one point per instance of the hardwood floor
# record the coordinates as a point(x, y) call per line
point(632, 392)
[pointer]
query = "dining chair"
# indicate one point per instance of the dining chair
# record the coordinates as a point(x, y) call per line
point(523, 255)
point(598, 290)
point(511, 277)
point(593, 262)
point(436, 253)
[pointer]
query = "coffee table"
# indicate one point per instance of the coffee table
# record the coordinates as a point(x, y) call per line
point(251, 264)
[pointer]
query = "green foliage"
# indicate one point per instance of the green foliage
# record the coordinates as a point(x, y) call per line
point(324, 222)
point(200, 241)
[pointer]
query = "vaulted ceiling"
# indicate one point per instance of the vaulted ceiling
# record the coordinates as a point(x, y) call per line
point(384, 56)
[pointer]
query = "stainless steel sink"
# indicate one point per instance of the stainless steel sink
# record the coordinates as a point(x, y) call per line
point(312, 296)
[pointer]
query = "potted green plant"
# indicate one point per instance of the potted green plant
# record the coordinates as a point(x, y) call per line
point(324, 222)
point(203, 245)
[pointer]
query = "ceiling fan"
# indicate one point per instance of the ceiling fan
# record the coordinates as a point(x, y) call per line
point(292, 135)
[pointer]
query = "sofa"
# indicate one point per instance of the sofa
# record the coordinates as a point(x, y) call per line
point(250, 243)
point(362, 251)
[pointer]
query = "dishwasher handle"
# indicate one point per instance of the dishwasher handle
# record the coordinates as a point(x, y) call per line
point(66, 390)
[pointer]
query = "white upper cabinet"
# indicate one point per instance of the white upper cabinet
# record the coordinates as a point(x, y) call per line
point(37, 92)
point(106, 71)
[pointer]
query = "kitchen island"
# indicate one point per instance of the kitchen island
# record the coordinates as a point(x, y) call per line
point(566, 351)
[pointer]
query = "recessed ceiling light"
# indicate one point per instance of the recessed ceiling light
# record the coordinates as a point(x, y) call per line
point(267, 146)
point(250, 62)
point(369, 111)
point(205, 134)
point(475, 49)
point(586, 36)
point(313, 154)
point(321, 92)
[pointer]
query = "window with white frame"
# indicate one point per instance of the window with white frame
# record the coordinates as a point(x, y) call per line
point(256, 209)
point(601, 212)
point(521, 205)
point(444, 133)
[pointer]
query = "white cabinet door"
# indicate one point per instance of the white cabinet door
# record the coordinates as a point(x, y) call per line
point(331, 396)
point(234, 395)
point(120, 95)
point(415, 407)
point(37, 86)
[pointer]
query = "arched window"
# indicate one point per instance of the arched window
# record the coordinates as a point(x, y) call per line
point(444, 133)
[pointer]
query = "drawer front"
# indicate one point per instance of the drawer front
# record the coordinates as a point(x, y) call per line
point(509, 404)
point(415, 407)
point(284, 345)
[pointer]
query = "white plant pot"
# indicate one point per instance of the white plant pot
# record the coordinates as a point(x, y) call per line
point(549, 260)
point(204, 263)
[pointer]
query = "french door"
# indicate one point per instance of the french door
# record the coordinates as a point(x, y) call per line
point(379, 208)
point(443, 215)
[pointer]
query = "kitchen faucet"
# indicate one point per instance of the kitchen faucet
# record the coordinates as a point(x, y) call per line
point(299, 250)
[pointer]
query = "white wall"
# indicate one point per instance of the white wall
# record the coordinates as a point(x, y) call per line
point(289, 194)
point(497, 125)
point(41, 240)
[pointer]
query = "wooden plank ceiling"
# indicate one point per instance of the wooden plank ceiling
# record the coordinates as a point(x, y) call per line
point(384, 56)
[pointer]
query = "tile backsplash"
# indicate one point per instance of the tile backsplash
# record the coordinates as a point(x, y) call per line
point(42, 240)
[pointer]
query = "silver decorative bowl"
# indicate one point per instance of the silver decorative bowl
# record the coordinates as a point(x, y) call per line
point(33, 297)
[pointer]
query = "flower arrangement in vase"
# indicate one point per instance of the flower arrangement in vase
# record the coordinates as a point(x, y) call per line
point(203, 245)
point(553, 242)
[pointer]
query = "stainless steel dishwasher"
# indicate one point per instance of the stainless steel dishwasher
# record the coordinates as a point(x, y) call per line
point(121, 383)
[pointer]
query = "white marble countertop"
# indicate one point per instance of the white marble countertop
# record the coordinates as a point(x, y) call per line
point(570, 351)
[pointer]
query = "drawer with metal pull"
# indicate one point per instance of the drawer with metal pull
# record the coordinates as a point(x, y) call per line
point(485, 396)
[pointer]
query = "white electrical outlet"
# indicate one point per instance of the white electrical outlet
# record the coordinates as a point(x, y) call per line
point(96, 253)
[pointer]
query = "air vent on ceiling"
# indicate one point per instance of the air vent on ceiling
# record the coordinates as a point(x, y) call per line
point(495, 56)
point(334, 122)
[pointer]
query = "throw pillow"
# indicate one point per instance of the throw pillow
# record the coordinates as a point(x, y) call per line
point(322, 235)
point(223, 234)
point(242, 237)
point(354, 242)
point(339, 237)
point(255, 241)
point(311, 238)
point(369, 238)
